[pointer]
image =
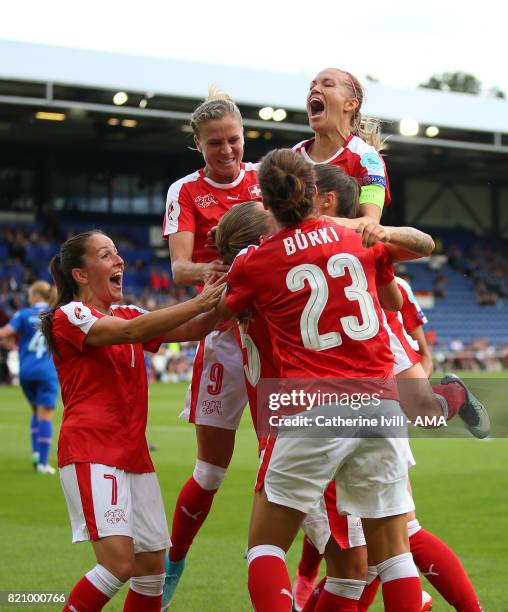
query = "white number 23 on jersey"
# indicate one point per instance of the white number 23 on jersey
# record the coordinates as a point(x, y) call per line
point(357, 291)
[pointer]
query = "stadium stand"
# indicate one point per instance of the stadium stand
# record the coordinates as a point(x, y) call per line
point(101, 165)
point(465, 296)
point(462, 327)
point(25, 255)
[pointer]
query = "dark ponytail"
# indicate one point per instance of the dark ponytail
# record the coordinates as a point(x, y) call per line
point(71, 256)
point(347, 191)
point(288, 183)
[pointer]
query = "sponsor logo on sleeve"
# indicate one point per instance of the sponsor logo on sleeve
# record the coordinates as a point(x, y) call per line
point(79, 314)
point(204, 201)
point(370, 179)
point(372, 162)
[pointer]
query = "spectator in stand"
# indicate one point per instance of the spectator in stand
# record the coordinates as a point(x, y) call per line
point(458, 358)
point(17, 247)
point(484, 354)
point(440, 286)
point(155, 279)
point(484, 297)
point(503, 355)
point(431, 337)
point(165, 281)
point(456, 345)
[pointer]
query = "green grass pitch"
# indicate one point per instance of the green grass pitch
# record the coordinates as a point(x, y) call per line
point(460, 487)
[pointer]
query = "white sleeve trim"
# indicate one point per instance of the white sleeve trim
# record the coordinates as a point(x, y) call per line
point(79, 315)
point(172, 212)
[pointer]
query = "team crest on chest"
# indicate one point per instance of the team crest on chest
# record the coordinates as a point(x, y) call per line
point(204, 201)
point(255, 191)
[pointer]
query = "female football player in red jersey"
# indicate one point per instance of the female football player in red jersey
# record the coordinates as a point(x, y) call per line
point(344, 138)
point(336, 197)
point(217, 395)
point(108, 478)
point(320, 271)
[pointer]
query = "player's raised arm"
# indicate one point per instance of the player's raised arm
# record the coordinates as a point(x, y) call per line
point(389, 296)
point(185, 271)
point(110, 330)
point(403, 242)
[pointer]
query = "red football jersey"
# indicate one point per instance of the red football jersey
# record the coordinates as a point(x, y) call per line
point(195, 204)
point(104, 392)
point(319, 300)
point(408, 318)
point(356, 158)
point(259, 361)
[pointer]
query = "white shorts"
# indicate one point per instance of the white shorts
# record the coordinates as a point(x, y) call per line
point(370, 473)
point(317, 528)
point(217, 394)
point(107, 501)
point(411, 461)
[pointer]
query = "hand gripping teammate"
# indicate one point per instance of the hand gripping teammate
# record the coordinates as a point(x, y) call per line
point(112, 493)
point(217, 396)
point(314, 263)
point(37, 375)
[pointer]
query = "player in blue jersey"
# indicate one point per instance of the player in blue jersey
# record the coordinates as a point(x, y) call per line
point(37, 375)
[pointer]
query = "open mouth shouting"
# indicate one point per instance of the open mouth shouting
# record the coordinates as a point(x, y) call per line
point(316, 107)
point(116, 279)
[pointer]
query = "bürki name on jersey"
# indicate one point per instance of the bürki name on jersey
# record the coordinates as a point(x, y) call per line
point(304, 240)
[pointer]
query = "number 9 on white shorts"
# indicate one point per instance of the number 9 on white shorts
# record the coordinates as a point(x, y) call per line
point(217, 394)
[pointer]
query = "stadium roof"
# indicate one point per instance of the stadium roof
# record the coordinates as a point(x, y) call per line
point(181, 79)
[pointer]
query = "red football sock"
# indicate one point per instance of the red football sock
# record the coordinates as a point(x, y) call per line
point(328, 602)
point(454, 395)
point(269, 584)
point(134, 602)
point(311, 604)
point(402, 589)
point(403, 595)
point(85, 597)
point(442, 568)
point(311, 558)
point(368, 595)
point(192, 508)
